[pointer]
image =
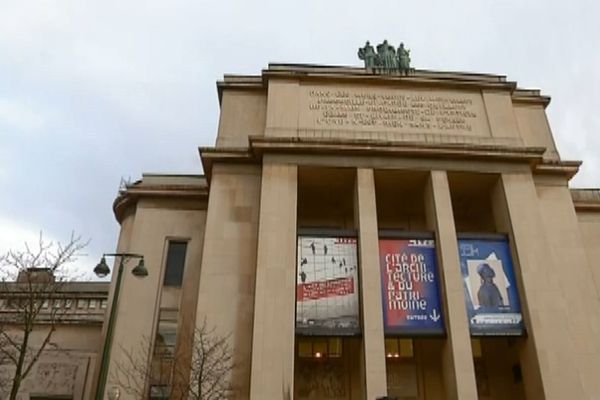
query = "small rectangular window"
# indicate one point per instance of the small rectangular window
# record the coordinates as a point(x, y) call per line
point(317, 348)
point(175, 263)
point(103, 304)
point(320, 348)
point(92, 303)
point(398, 348)
point(305, 349)
point(406, 348)
point(82, 303)
point(166, 335)
point(160, 392)
point(335, 347)
point(476, 348)
point(68, 303)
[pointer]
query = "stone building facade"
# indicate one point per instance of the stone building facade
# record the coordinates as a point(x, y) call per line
point(65, 369)
point(357, 235)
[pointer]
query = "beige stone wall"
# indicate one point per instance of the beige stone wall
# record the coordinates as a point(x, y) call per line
point(578, 295)
point(560, 304)
point(386, 109)
point(67, 367)
point(534, 128)
point(361, 110)
point(138, 305)
point(499, 110)
point(325, 111)
point(589, 225)
point(243, 114)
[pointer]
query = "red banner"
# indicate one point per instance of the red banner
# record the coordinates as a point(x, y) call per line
point(321, 290)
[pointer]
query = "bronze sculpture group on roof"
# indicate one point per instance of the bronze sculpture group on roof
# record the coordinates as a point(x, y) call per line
point(386, 59)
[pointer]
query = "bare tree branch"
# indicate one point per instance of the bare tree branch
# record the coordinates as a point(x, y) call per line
point(30, 280)
point(208, 378)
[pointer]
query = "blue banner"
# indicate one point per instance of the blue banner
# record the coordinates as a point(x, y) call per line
point(491, 293)
point(409, 285)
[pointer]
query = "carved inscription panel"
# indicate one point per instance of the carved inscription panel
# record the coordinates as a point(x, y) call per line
point(392, 110)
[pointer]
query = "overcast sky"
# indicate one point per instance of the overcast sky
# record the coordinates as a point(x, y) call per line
point(95, 91)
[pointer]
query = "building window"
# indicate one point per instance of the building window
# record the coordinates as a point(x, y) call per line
point(164, 352)
point(166, 335)
point(68, 303)
point(92, 303)
point(103, 304)
point(320, 348)
point(398, 348)
point(82, 303)
point(160, 392)
point(175, 263)
point(57, 303)
point(476, 348)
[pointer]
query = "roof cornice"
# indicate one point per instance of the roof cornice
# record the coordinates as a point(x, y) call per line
point(566, 169)
point(260, 145)
point(586, 199)
point(357, 75)
point(416, 79)
point(131, 194)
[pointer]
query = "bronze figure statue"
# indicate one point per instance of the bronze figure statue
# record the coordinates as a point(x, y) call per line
point(367, 54)
point(403, 59)
point(386, 59)
point(386, 55)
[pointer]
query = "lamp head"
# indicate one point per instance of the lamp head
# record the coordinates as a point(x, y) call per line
point(102, 268)
point(140, 270)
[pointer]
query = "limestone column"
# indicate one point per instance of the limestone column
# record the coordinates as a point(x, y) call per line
point(225, 293)
point(548, 353)
point(272, 375)
point(373, 336)
point(457, 357)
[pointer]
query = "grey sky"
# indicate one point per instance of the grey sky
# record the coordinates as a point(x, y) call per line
point(92, 91)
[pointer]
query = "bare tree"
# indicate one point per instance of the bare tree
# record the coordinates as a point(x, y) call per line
point(208, 377)
point(30, 282)
point(4, 373)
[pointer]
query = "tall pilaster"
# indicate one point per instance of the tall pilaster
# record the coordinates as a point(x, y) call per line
point(457, 357)
point(373, 336)
point(274, 308)
point(225, 298)
point(558, 305)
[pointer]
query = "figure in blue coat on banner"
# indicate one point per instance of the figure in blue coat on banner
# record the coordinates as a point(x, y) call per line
point(488, 295)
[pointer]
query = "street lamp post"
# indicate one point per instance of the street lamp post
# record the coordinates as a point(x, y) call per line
point(101, 271)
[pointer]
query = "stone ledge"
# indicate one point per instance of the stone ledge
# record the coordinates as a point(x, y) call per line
point(161, 186)
point(586, 199)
